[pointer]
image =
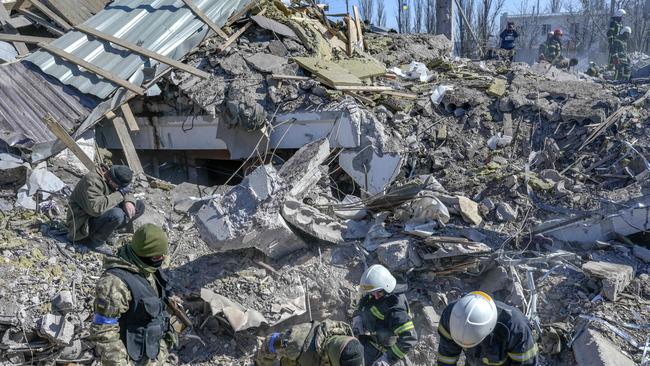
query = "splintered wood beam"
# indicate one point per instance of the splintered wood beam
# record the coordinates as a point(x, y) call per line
point(58, 131)
point(357, 20)
point(50, 14)
point(24, 39)
point(143, 51)
point(41, 21)
point(127, 146)
point(204, 18)
point(234, 37)
point(128, 116)
point(92, 68)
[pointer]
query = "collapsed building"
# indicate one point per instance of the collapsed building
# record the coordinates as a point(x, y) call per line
point(352, 148)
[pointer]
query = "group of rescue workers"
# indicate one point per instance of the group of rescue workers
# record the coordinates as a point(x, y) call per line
point(550, 51)
point(136, 314)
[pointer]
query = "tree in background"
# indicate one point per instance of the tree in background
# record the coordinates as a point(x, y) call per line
point(555, 6)
point(465, 39)
point(639, 19)
point(367, 8)
point(419, 7)
point(430, 17)
point(381, 13)
point(487, 13)
point(403, 16)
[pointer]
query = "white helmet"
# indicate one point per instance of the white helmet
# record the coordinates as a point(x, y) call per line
point(627, 30)
point(472, 319)
point(377, 277)
point(620, 13)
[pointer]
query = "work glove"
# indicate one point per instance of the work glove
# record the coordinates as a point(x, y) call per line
point(357, 325)
point(382, 361)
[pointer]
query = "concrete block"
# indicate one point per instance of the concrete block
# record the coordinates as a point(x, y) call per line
point(150, 216)
point(614, 277)
point(248, 216)
point(57, 329)
point(374, 174)
point(593, 349)
point(312, 222)
point(395, 255)
point(63, 302)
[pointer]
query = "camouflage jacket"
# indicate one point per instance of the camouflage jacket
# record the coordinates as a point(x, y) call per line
point(301, 345)
point(619, 49)
point(553, 51)
point(112, 299)
point(91, 197)
point(613, 31)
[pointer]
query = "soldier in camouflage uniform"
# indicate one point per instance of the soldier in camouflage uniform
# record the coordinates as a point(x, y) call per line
point(132, 323)
point(620, 58)
point(593, 70)
point(327, 343)
point(100, 203)
point(615, 28)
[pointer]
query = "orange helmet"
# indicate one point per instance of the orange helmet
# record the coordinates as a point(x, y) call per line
point(558, 32)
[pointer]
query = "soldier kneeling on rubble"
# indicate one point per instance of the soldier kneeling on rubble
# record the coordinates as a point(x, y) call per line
point(383, 320)
point(489, 332)
point(317, 343)
point(101, 203)
point(132, 323)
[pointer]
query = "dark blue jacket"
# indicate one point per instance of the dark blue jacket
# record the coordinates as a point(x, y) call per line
point(508, 38)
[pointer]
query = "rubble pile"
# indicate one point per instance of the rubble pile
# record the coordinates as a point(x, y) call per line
point(526, 182)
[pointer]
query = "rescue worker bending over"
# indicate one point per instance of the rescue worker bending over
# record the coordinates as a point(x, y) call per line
point(620, 58)
point(383, 320)
point(593, 70)
point(615, 28)
point(508, 38)
point(554, 48)
point(489, 332)
point(132, 322)
point(101, 203)
point(317, 343)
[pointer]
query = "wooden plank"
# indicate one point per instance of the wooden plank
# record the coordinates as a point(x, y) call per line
point(290, 77)
point(4, 24)
point(352, 35)
point(400, 94)
point(127, 145)
point(128, 116)
point(24, 39)
point(143, 51)
point(92, 68)
point(234, 37)
point(357, 20)
point(328, 72)
point(240, 14)
point(63, 136)
point(42, 22)
point(50, 14)
point(365, 67)
point(366, 88)
point(19, 21)
point(204, 18)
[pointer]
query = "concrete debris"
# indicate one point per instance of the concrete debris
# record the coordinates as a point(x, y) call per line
point(312, 222)
point(641, 253)
point(395, 255)
point(614, 277)
point(351, 208)
point(266, 63)
point(57, 328)
point(464, 207)
point(505, 212)
point(592, 349)
point(238, 317)
point(63, 302)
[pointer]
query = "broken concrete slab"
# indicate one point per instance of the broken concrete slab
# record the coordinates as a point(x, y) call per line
point(264, 62)
point(351, 208)
point(150, 216)
point(312, 222)
point(601, 226)
point(63, 302)
point(497, 88)
point(464, 207)
point(57, 329)
point(13, 171)
point(295, 130)
point(614, 277)
point(274, 26)
point(505, 212)
point(248, 216)
point(592, 349)
point(237, 316)
point(328, 72)
point(375, 174)
point(394, 254)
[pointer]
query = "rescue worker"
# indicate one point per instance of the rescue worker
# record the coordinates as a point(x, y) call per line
point(488, 332)
point(132, 324)
point(554, 48)
point(317, 343)
point(508, 38)
point(542, 47)
point(620, 58)
point(101, 203)
point(383, 320)
point(615, 28)
point(593, 70)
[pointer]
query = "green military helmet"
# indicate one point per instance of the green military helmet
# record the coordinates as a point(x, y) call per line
point(344, 351)
point(150, 241)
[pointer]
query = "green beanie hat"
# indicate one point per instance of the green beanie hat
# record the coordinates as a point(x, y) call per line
point(149, 241)
point(345, 351)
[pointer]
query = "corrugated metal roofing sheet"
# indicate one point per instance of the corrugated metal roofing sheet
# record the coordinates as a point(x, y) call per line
point(26, 96)
point(160, 25)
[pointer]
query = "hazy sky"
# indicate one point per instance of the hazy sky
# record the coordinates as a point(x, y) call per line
point(338, 6)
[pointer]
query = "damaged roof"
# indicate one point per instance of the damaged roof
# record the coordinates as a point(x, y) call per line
point(167, 27)
point(26, 96)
